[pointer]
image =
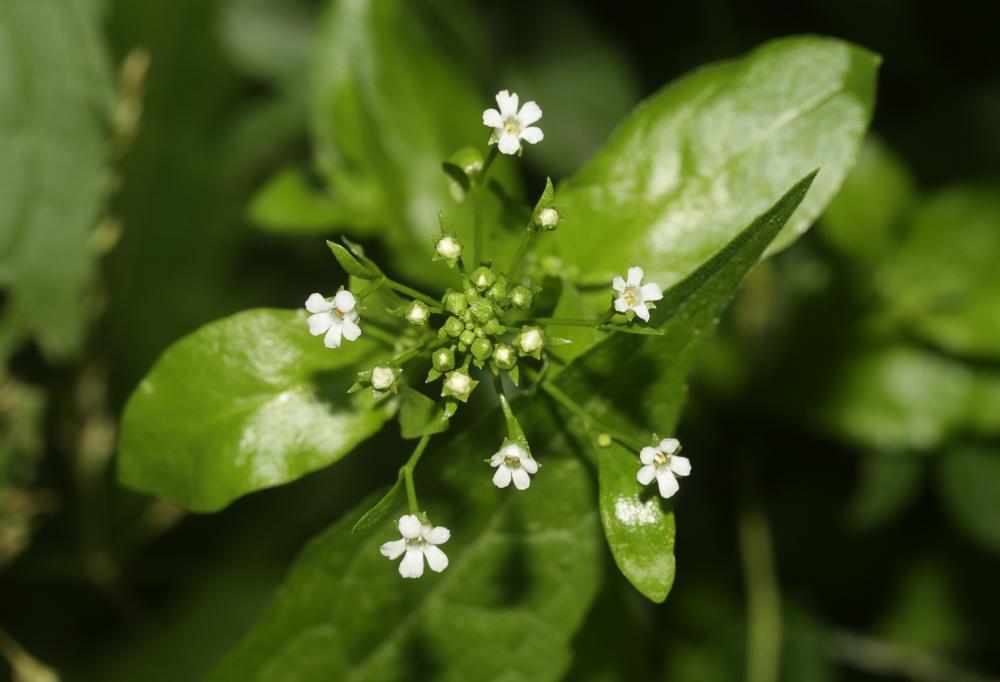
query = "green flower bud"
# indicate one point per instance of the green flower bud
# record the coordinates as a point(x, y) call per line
point(458, 384)
point(531, 340)
point(454, 302)
point(383, 378)
point(443, 359)
point(493, 328)
point(483, 310)
point(453, 327)
point(548, 218)
point(481, 349)
point(483, 278)
point(448, 247)
point(498, 292)
point(467, 337)
point(417, 313)
point(504, 357)
point(521, 297)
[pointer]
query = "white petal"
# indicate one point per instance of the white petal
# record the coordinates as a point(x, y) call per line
point(497, 459)
point(393, 549)
point(507, 102)
point(618, 284)
point(651, 292)
point(351, 329)
point(680, 465)
point(532, 135)
point(438, 535)
point(529, 113)
point(669, 445)
point(647, 455)
point(521, 478)
point(646, 474)
point(642, 310)
point(501, 478)
point(412, 565)
point(621, 305)
point(436, 559)
point(332, 338)
point(530, 465)
point(635, 275)
point(492, 118)
point(344, 300)
point(319, 323)
point(508, 143)
point(409, 526)
point(513, 450)
point(316, 303)
point(668, 484)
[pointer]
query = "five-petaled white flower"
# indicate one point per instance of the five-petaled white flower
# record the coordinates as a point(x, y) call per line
point(511, 126)
point(419, 541)
point(634, 295)
point(513, 463)
point(337, 318)
point(664, 464)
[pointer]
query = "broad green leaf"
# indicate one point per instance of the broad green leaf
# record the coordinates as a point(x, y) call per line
point(969, 480)
point(943, 282)
point(523, 570)
point(695, 163)
point(419, 415)
point(56, 96)
point(639, 384)
point(244, 403)
point(863, 220)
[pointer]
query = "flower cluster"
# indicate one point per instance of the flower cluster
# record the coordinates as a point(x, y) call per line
point(480, 328)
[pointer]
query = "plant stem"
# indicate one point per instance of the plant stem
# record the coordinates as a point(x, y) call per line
point(407, 472)
point(413, 293)
point(380, 334)
point(371, 289)
point(764, 627)
point(519, 256)
point(480, 183)
point(566, 322)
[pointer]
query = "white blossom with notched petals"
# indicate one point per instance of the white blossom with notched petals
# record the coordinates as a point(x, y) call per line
point(336, 318)
point(510, 125)
point(513, 463)
point(634, 295)
point(664, 464)
point(420, 541)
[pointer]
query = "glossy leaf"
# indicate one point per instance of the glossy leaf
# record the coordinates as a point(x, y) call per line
point(523, 570)
point(695, 163)
point(244, 403)
point(638, 383)
point(56, 95)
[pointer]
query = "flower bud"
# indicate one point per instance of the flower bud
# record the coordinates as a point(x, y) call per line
point(483, 278)
point(493, 328)
point(443, 359)
point(548, 218)
point(482, 310)
point(455, 302)
point(448, 247)
point(504, 357)
point(531, 340)
point(453, 327)
point(417, 313)
point(481, 349)
point(521, 297)
point(467, 337)
point(383, 378)
point(458, 384)
point(498, 292)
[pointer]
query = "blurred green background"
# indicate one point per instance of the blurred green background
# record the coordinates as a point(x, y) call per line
point(847, 416)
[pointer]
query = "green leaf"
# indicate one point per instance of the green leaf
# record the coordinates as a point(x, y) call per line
point(380, 508)
point(609, 382)
point(352, 266)
point(695, 163)
point(523, 571)
point(968, 480)
point(248, 402)
point(419, 415)
point(56, 95)
point(289, 201)
point(943, 281)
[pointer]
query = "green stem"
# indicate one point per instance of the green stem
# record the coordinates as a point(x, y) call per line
point(413, 293)
point(763, 598)
point(380, 335)
point(593, 424)
point(521, 250)
point(371, 289)
point(480, 183)
point(566, 321)
point(407, 473)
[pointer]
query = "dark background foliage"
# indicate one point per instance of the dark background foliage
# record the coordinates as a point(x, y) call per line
point(885, 550)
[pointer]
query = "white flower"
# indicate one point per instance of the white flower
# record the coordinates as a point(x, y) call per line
point(664, 464)
point(417, 313)
point(419, 541)
point(549, 217)
point(634, 295)
point(531, 340)
point(337, 318)
point(383, 378)
point(448, 247)
point(513, 463)
point(510, 126)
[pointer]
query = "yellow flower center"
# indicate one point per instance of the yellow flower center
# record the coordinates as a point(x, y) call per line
point(660, 458)
point(630, 296)
point(511, 127)
point(512, 462)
